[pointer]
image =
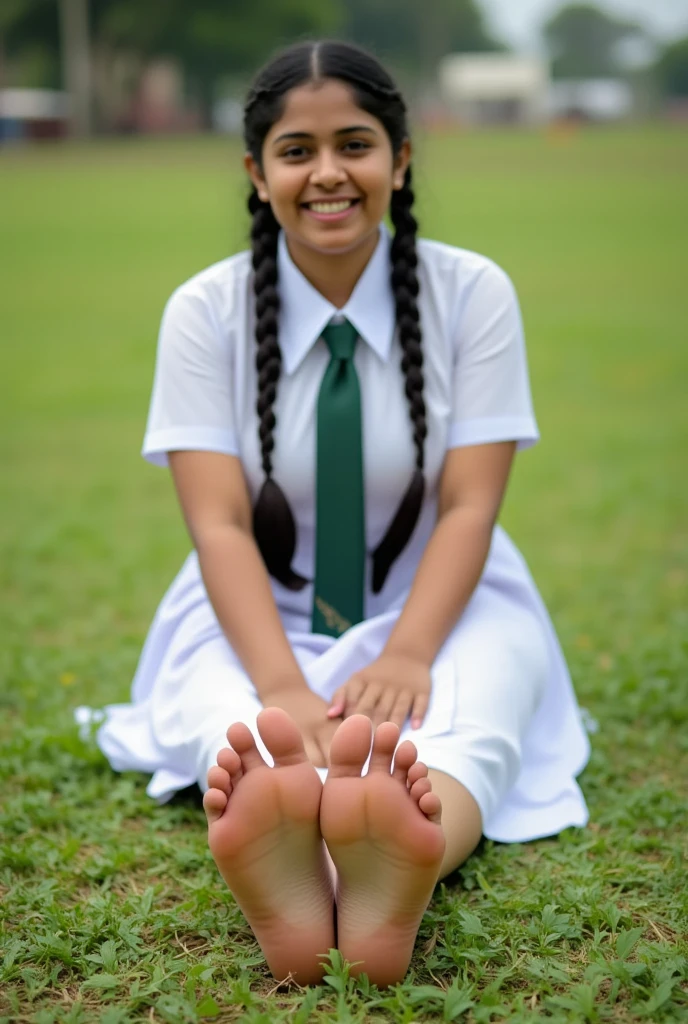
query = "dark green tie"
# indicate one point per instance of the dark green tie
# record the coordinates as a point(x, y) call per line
point(340, 517)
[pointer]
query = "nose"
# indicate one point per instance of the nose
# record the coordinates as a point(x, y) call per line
point(328, 171)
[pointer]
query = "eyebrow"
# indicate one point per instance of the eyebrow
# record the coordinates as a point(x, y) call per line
point(340, 131)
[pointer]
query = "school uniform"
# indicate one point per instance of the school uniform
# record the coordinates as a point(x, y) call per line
point(503, 718)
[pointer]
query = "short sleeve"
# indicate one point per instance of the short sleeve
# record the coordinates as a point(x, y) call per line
point(191, 405)
point(491, 398)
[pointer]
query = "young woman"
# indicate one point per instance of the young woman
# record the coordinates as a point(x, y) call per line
point(339, 408)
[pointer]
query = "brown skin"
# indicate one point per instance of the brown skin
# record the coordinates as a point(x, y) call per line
point(325, 147)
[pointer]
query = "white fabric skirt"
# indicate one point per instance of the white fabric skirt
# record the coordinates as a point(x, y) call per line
point(502, 720)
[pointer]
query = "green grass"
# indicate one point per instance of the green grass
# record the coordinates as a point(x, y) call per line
point(110, 906)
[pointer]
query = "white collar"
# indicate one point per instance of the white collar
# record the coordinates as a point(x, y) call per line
point(304, 312)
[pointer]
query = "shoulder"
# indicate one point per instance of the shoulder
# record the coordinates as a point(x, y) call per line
point(460, 270)
point(217, 290)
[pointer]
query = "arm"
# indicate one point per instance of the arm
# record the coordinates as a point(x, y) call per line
point(217, 509)
point(472, 486)
point(216, 506)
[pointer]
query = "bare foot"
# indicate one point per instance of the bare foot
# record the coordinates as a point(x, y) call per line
point(384, 835)
point(264, 834)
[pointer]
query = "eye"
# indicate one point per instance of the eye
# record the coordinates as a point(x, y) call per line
point(294, 153)
point(356, 146)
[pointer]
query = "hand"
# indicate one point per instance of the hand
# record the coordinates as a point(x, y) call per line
point(388, 690)
point(310, 713)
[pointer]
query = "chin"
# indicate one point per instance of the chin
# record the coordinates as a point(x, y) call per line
point(338, 244)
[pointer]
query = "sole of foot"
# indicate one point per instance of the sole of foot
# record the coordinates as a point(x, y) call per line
point(264, 835)
point(384, 835)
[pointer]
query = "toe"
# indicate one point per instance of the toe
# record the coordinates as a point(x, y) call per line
point(218, 778)
point(281, 736)
point(243, 742)
point(431, 806)
point(350, 747)
point(384, 743)
point(417, 771)
point(420, 788)
point(231, 762)
point(214, 803)
point(404, 757)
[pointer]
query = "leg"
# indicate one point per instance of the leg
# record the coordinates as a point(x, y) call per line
point(384, 835)
point(264, 834)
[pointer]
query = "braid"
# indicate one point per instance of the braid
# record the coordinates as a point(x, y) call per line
point(273, 521)
point(405, 288)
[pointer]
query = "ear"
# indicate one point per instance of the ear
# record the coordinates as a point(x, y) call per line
point(401, 162)
point(256, 176)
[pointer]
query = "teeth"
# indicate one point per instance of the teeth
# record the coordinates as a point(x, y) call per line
point(339, 207)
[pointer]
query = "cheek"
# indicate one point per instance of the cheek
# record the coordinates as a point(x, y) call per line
point(285, 187)
point(376, 180)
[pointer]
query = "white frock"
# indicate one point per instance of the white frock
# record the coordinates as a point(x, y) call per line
point(503, 718)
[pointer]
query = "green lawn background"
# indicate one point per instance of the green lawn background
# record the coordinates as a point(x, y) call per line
point(591, 227)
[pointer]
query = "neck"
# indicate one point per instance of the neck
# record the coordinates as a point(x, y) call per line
point(334, 275)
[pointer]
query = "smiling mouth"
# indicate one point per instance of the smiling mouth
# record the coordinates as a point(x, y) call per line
point(331, 206)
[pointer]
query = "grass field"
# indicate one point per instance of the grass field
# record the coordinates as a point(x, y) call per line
point(110, 906)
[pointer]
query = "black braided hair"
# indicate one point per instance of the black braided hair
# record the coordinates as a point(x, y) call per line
point(376, 93)
point(273, 522)
point(405, 289)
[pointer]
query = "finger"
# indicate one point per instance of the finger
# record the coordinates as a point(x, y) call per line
point(385, 704)
point(368, 701)
point(354, 689)
point(338, 703)
point(401, 708)
point(419, 709)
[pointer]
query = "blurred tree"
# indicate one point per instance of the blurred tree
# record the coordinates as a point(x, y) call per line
point(29, 38)
point(583, 42)
point(76, 63)
point(416, 35)
point(210, 38)
point(672, 69)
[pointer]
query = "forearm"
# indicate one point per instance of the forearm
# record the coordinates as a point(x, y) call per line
point(239, 589)
point(445, 580)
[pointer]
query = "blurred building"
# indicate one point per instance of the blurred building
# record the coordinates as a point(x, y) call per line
point(495, 88)
point(33, 114)
point(591, 99)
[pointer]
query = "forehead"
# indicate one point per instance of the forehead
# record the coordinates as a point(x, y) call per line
point(321, 106)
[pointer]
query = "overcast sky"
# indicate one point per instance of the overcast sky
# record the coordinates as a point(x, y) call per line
point(518, 22)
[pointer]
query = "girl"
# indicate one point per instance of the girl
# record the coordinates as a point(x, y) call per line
point(339, 408)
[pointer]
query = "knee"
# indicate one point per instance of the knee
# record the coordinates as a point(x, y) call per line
point(495, 764)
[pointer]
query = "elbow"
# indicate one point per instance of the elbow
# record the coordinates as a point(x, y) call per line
point(481, 516)
point(209, 538)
